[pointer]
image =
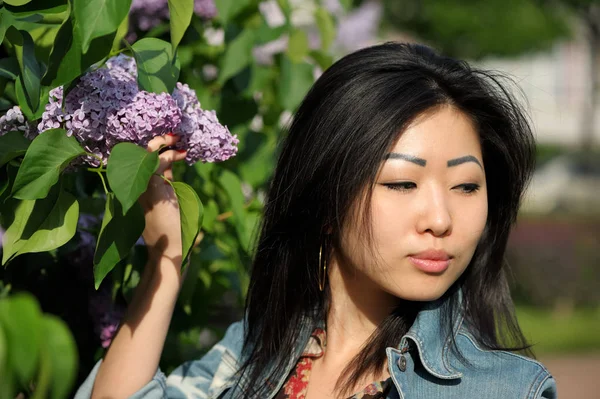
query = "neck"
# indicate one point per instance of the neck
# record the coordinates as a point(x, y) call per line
point(357, 307)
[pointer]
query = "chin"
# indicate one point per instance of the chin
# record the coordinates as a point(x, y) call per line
point(420, 292)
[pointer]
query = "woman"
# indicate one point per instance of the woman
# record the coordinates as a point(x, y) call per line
point(379, 266)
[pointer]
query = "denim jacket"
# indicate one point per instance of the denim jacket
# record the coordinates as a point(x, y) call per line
point(421, 367)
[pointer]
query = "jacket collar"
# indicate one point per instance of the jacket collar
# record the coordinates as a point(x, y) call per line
point(431, 338)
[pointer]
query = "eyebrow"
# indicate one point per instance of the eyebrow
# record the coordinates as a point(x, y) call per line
point(406, 157)
point(461, 160)
point(423, 162)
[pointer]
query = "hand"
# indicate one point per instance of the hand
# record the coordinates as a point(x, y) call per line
point(162, 233)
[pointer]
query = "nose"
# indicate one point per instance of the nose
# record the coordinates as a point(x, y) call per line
point(435, 217)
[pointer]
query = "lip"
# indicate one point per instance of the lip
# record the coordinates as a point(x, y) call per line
point(431, 260)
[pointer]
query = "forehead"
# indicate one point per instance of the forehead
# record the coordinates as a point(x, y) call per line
point(445, 132)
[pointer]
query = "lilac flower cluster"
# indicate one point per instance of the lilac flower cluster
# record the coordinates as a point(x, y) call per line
point(123, 62)
point(200, 131)
point(147, 115)
point(106, 108)
point(97, 97)
point(146, 14)
point(205, 9)
point(15, 120)
point(105, 315)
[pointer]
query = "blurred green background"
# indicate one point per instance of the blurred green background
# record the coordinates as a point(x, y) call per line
point(253, 61)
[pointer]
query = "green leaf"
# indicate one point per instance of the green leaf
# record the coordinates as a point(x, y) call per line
point(347, 4)
point(6, 388)
point(31, 71)
point(98, 18)
point(47, 156)
point(49, 11)
point(296, 80)
point(157, 72)
point(12, 145)
point(5, 104)
point(41, 225)
point(233, 187)
point(211, 210)
point(229, 8)
point(17, 2)
point(65, 51)
point(180, 12)
point(22, 99)
point(191, 212)
point(29, 113)
point(322, 58)
point(4, 183)
point(186, 294)
point(62, 353)
point(118, 235)
point(9, 173)
point(129, 170)
point(286, 8)
point(120, 35)
point(20, 317)
point(238, 55)
point(9, 68)
point(326, 27)
point(66, 61)
point(297, 46)
point(44, 374)
point(6, 21)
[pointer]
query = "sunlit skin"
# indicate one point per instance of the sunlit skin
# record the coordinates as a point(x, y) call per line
point(430, 193)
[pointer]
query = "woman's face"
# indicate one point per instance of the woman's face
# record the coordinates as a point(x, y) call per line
point(428, 210)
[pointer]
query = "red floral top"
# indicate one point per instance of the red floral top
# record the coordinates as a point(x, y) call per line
point(297, 383)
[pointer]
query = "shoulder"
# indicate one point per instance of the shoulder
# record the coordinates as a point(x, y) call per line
point(507, 373)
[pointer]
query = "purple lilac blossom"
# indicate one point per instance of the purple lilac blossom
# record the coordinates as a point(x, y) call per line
point(202, 135)
point(148, 115)
point(146, 14)
point(15, 120)
point(98, 95)
point(124, 62)
point(359, 28)
point(205, 9)
point(105, 315)
point(106, 108)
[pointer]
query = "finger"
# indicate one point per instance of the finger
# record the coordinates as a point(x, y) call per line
point(161, 141)
point(168, 174)
point(167, 158)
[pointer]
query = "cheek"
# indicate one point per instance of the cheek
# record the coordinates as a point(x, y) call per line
point(390, 216)
point(471, 221)
point(388, 220)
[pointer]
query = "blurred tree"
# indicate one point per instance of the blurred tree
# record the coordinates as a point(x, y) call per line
point(476, 29)
point(588, 14)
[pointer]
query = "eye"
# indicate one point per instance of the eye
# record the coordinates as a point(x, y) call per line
point(404, 186)
point(468, 188)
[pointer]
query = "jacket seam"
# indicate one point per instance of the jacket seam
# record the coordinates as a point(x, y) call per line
point(546, 376)
point(455, 332)
point(423, 355)
point(532, 361)
point(393, 374)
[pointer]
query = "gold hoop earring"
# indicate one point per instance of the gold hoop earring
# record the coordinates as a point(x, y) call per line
point(322, 270)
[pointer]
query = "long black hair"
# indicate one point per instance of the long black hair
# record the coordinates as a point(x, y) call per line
point(331, 155)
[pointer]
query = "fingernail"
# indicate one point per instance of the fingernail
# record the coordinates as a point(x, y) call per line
point(181, 151)
point(171, 134)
